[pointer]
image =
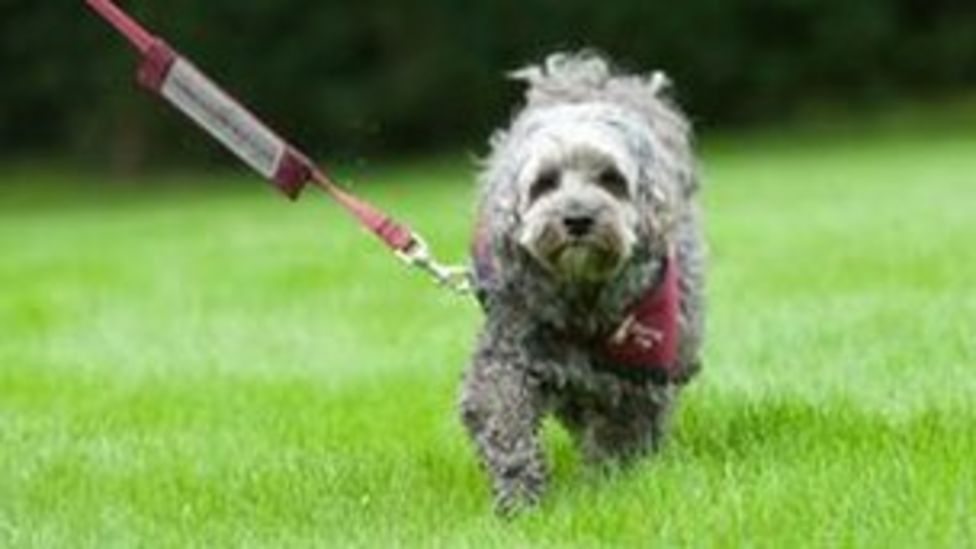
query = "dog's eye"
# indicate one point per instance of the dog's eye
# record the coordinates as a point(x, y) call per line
point(613, 182)
point(544, 184)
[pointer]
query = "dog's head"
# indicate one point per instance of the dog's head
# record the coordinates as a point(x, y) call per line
point(594, 169)
point(583, 188)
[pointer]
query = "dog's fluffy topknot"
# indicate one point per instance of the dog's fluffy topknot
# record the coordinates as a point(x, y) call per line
point(588, 77)
point(584, 76)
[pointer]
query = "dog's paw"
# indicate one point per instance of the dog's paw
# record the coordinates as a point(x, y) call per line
point(517, 494)
point(512, 504)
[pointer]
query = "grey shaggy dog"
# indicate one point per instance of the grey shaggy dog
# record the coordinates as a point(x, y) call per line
point(583, 200)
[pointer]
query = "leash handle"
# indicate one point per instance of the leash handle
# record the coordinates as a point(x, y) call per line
point(171, 76)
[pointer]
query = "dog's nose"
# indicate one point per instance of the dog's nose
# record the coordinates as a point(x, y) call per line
point(578, 225)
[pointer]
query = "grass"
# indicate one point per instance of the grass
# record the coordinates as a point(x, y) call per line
point(201, 364)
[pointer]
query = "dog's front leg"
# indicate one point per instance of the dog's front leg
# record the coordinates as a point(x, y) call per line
point(501, 409)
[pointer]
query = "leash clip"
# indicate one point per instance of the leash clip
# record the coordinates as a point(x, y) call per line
point(453, 277)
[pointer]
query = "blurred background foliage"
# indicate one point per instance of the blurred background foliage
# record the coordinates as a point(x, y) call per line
point(411, 76)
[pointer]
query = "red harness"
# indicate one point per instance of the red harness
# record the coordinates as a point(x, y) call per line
point(647, 338)
point(646, 341)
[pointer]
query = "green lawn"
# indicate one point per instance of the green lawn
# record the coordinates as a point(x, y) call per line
point(202, 364)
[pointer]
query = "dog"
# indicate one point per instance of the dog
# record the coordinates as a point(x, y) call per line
point(589, 263)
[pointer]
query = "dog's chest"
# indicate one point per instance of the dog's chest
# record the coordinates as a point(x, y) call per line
point(641, 343)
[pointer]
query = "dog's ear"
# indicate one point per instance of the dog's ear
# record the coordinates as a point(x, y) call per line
point(659, 206)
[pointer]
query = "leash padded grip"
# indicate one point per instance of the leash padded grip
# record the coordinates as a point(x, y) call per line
point(200, 99)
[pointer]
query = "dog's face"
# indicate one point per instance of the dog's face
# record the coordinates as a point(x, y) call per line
point(578, 193)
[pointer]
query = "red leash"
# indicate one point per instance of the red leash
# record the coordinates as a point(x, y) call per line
point(171, 76)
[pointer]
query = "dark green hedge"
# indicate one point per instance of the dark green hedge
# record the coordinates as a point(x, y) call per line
point(353, 77)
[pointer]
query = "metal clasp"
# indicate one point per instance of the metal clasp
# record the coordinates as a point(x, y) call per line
point(453, 277)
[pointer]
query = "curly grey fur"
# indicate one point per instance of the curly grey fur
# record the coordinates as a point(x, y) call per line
point(532, 356)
